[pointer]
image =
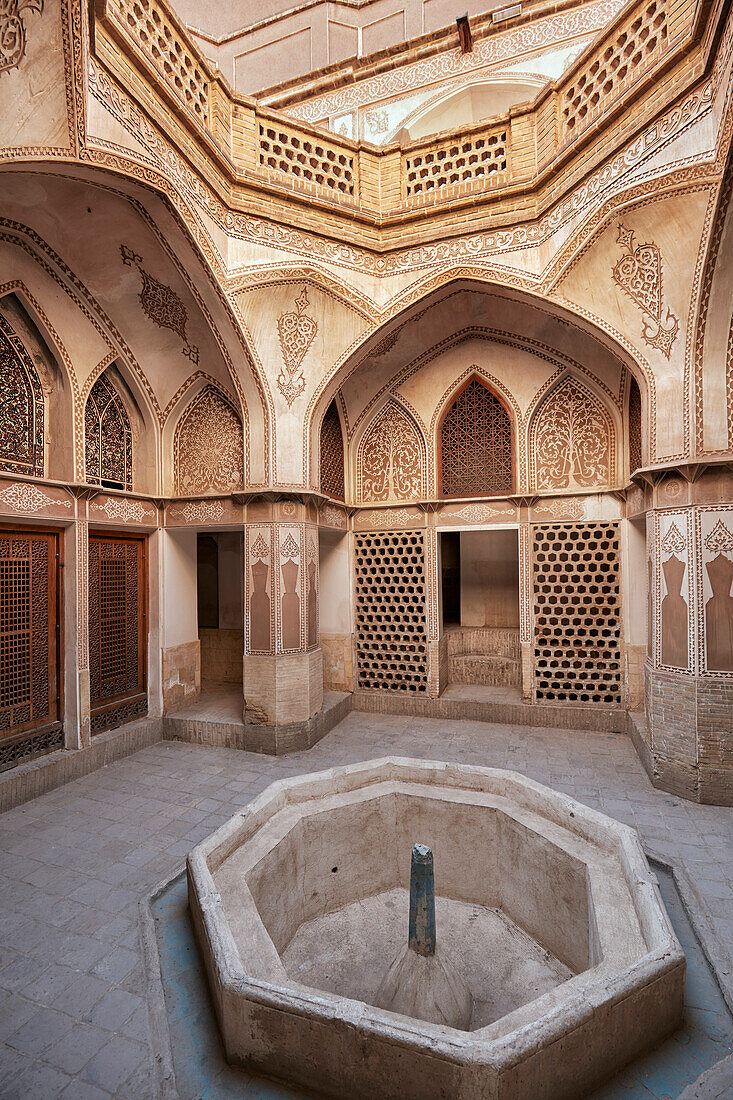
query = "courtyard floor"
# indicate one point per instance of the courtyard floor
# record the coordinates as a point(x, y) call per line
point(75, 863)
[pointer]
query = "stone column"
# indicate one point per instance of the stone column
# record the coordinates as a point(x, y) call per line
point(689, 670)
point(283, 665)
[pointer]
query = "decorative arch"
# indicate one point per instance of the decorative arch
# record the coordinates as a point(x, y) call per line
point(635, 459)
point(21, 407)
point(208, 446)
point(572, 439)
point(475, 443)
point(391, 460)
point(332, 453)
point(107, 437)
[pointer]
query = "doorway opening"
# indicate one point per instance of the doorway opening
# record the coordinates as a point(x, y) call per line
point(480, 590)
point(219, 576)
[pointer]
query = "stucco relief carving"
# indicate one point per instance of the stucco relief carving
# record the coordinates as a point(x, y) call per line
point(259, 602)
point(297, 331)
point(639, 274)
point(205, 511)
point(572, 440)
point(27, 498)
point(391, 460)
point(479, 513)
point(719, 607)
point(209, 446)
point(160, 303)
point(378, 122)
point(126, 510)
point(568, 509)
point(674, 541)
point(12, 31)
point(674, 609)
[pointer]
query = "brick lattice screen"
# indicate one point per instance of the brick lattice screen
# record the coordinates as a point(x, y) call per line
point(476, 445)
point(391, 623)
point(332, 454)
point(577, 633)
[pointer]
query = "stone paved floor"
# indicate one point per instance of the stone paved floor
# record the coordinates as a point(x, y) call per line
point(74, 863)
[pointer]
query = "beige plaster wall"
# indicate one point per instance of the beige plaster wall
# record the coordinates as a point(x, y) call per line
point(489, 578)
point(335, 610)
point(180, 618)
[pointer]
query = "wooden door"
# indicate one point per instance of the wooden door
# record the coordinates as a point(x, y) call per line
point(117, 630)
point(30, 706)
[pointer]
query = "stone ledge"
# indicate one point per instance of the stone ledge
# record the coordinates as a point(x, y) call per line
point(603, 719)
point(37, 777)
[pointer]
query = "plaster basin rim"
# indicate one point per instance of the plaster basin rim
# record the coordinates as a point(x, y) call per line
point(509, 1040)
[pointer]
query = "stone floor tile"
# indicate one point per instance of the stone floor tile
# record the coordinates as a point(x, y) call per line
point(38, 1033)
point(74, 1050)
point(78, 998)
point(83, 1090)
point(53, 981)
point(114, 1063)
point(12, 1064)
point(115, 964)
point(38, 1082)
point(23, 970)
point(113, 1009)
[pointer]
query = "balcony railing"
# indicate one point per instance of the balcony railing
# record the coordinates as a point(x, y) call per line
point(647, 37)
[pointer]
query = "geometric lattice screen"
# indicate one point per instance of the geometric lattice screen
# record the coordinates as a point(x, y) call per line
point(116, 631)
point(390, 596)
point(21, 408)
point(107, 437)
point(476, 445)
point(332, 454)
point(577, 633)
point(29, 711)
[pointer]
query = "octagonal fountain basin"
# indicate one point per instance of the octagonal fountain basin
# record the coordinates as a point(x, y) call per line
point(542, 963)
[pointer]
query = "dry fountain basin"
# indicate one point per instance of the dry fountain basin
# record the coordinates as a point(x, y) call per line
point(544, 909)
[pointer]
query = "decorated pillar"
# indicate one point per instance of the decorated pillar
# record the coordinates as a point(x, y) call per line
point(283, 668)
point(77, 707)
point(689, 672)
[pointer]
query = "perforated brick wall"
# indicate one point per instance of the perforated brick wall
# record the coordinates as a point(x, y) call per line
point(391, 622)
point(577, 610)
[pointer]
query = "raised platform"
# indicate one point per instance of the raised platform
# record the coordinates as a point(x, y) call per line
point(216, 719)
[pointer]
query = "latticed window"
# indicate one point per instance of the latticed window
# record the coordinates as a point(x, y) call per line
point(21, 407)
point(332, 454)
point(476, 444)
point(634, 426)
point(107, 437)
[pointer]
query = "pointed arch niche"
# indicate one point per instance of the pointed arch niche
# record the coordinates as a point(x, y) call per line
point(107, 435)
point(21, 407)
point(475, 443)
point(332, 453)
point(391, 460)
point(208, 446)
point(572, 440)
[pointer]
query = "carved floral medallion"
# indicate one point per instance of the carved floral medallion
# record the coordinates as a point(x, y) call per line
point(639, 274)
point(160, 303)
point(297, 331)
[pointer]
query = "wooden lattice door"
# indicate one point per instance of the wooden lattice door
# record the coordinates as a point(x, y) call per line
point(30, 707)
point(117, 630)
